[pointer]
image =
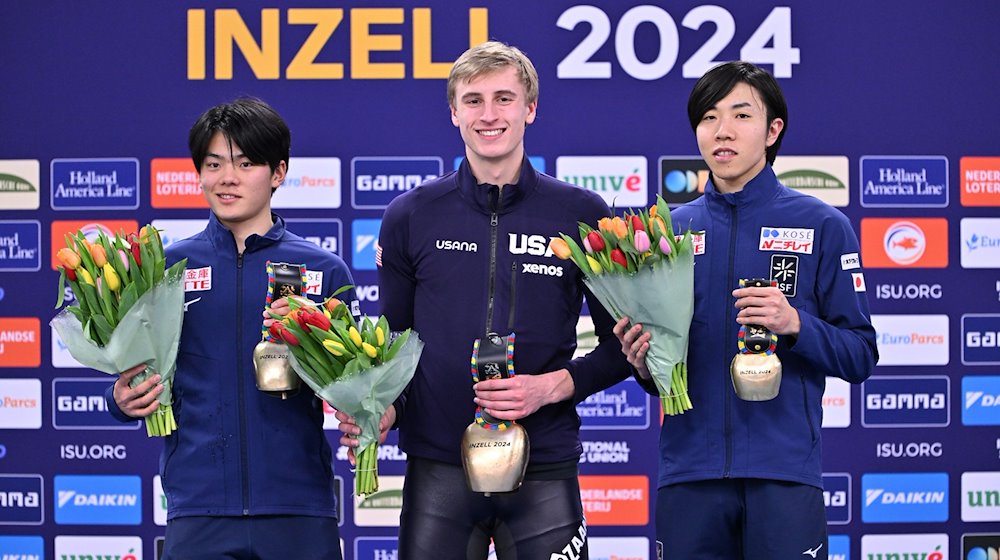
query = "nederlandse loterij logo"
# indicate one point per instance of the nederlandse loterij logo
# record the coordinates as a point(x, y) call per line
point(904, 401)
point(980, 181)
point(375, 181)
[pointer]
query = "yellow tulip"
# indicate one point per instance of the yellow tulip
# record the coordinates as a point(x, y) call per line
point(334, 347)
point(85, 276)
point(379, 336)
point(369, 349)
point(355, 336)
point(111, 277)
point(595, 266)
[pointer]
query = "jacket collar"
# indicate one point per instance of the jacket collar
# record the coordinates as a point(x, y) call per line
point(759, 190)
point(222, 239)
point(483, 196)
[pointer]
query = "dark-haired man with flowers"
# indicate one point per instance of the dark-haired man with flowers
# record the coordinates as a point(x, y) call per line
point(741, 473)
point(467, 254)
point(247, 475)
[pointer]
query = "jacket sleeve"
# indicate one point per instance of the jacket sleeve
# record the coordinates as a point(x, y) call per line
point(396, 278)
point(840, 340)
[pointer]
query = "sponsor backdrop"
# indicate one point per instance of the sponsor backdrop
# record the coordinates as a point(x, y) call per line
point(892, 121)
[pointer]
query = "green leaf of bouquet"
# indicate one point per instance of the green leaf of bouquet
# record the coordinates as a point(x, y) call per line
point(397, 344)
point(79, 313)
point(62, 287)
point(576, 253)
point(159, 267)
point(351, 368)
point(103, 327)
point(129, 296)
point(148, 265)
point(341, 290)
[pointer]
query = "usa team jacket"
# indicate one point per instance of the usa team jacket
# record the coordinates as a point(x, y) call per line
point(811, 251)
point(459, 259)
point(238, 451)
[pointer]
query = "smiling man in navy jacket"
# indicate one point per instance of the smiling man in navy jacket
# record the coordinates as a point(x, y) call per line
point(467, 254)
point(246, 475)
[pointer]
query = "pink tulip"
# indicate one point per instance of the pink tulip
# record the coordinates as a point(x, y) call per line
point(641, 241)
point(665, 247)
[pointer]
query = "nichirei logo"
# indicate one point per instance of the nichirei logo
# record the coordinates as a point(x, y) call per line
point(19, 184)
point(980, 180)
point(904, 242)
point(91, 229)
point(20, 342)
point(615, 500)
point(174, 183)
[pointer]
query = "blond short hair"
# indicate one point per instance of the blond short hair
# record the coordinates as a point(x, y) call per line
point(490, 57)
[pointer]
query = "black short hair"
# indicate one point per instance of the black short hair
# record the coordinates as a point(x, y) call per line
point(721, 80)
point(248, 123)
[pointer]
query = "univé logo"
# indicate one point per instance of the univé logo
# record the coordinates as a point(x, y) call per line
point(925, 546)
point(904, 242)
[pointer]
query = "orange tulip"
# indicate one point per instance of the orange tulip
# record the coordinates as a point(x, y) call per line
point(559, 248)
point(99, 255)
point(68, 258)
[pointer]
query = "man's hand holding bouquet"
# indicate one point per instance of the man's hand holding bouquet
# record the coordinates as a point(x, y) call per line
point(128, 311)
point(638, 268)
point(358, 367)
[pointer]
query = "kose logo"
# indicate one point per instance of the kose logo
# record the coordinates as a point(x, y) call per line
point(908, 291)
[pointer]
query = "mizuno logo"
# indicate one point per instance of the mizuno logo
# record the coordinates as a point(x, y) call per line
point(813, 551)
point(190, 303)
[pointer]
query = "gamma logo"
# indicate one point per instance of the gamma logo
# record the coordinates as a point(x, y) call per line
point(79, 404)
point(981, 400)
point(375, 181)
point(21, 499)
point(904, 497)
point(905, 401)
point(837, 498)
point(97, 500)
point(904, 242)
point(981, 339)
point(325, 234)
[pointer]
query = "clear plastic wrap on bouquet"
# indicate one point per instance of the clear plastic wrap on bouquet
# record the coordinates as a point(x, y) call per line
point(148, 333)
point(365, 395)
point(660, 297)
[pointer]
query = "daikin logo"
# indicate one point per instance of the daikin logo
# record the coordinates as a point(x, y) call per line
point(103, 500)
point(904, 497)
point(981, 402)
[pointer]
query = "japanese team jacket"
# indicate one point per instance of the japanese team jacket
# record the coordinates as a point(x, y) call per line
point(460, 259)
point(238, 451)
point(810, 250)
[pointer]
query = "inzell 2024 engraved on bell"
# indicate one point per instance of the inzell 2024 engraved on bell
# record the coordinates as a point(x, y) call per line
point(756, 377)
point(494, 459)
point(273, 372)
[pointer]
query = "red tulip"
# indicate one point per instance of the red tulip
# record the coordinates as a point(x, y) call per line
point(618, 257)
point(637, 223)
point(596, 241)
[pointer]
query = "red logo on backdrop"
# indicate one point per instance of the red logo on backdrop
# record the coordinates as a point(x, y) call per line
point(904, 242)
point(90, 228)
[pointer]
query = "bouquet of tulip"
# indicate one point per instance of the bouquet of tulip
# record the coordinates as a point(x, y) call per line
point(358, 367)
point(637, 267)
point(129, 309)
